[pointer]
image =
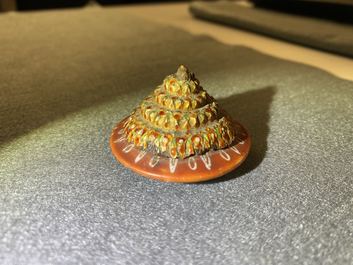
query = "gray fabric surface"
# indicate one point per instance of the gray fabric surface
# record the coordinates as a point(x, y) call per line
point(68, 77)
point(317, 33)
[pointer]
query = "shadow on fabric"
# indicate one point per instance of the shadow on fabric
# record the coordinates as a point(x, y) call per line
point(252, 110)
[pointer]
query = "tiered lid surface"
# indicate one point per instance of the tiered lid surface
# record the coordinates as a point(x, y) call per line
point(179, 119)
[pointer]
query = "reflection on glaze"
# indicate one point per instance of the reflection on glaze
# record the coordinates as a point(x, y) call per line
point(128, 148)
point(233, 148)
point(206, 160)
point(154, 161)
point(140, 156)
point(173, 162)
point(192, 163)
point(224, 155)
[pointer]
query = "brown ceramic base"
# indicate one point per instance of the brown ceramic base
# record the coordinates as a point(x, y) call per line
point(198, 168)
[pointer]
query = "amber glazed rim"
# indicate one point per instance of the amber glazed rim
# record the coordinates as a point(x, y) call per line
point(198, 168)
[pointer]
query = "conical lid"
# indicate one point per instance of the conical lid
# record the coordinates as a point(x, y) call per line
point(179, 119)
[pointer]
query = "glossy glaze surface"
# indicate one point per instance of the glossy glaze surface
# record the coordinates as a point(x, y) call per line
point(179, 119)
point(196, 168)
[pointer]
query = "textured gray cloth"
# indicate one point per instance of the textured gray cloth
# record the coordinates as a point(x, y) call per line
point(316, 33)
point(68, 77)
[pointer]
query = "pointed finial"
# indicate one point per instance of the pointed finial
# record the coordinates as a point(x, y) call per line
point(183, 73)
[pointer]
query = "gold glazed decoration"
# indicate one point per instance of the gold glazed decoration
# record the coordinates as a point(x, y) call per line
point(179, 133)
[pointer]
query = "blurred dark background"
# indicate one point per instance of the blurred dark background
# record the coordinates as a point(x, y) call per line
point(337, 10)
point(23, 5)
